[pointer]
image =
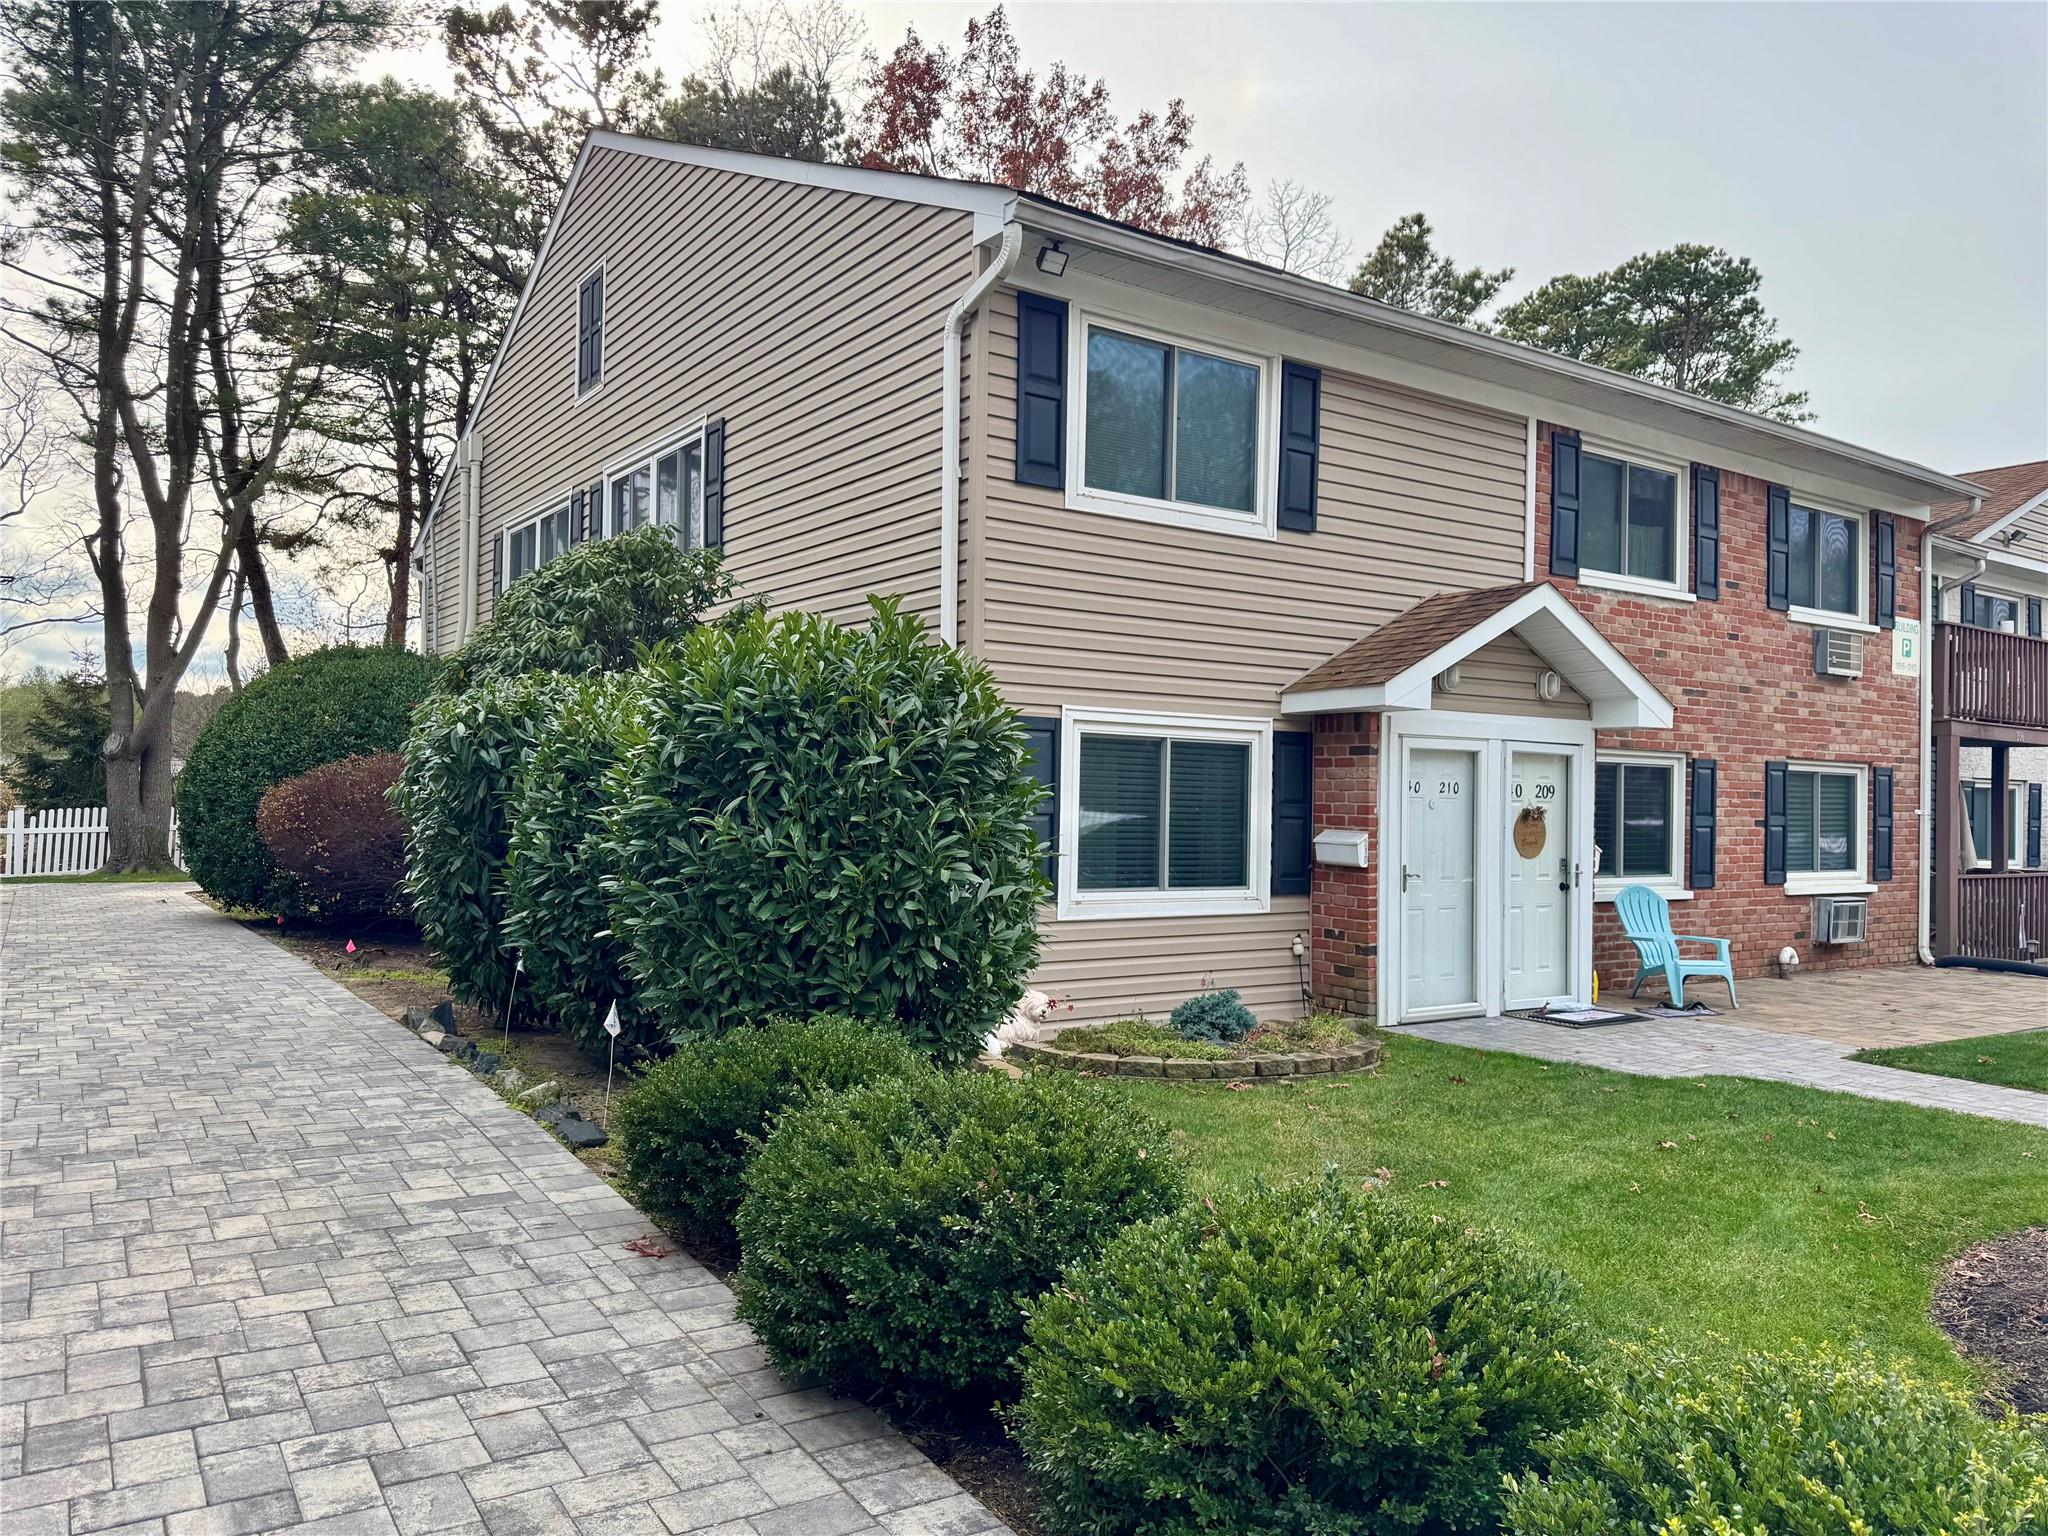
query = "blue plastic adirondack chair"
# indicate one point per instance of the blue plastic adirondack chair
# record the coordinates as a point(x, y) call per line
point(1646, 920)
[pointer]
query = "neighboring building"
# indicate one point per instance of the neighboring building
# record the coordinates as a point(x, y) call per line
point(1256, 558)
point(1990, 717)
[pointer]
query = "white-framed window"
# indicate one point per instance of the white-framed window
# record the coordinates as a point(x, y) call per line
point(590, 332)
point(1170, 427)
point(1826, 836)
point(1827, 579)
point(664, 486)
point(1164, 815)
point(1633, 512)
point(533, 543)
point(1639, 822)
point(1977, 806)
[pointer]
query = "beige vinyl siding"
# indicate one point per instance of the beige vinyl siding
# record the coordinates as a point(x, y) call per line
point(444, 558)
point(1416, 494)
point(2032, 529)
point(810, 320)
point(1500, 679)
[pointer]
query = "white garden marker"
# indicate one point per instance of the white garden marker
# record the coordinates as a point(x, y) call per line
point(518, 968)
point(611, 1028)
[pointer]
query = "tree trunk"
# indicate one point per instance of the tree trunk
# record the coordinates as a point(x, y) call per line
point(234, 646)
point(399, 615)
point(138, 796)
point(249, 558)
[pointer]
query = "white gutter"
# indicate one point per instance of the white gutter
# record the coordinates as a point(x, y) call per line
point(949, 429)
point(1928, 788)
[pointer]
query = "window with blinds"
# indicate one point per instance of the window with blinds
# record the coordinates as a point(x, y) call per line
point(1164, 814)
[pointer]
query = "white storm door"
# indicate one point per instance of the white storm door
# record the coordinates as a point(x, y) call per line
point(1541, 881)
point(1439, 886)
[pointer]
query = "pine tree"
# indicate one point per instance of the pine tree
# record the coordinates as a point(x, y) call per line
point(60, 762)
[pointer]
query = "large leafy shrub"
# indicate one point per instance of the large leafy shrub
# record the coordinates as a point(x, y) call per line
point(341, 702)
point(593, 609)
point(555, 867)
point(1799, 1443)
point(332, 829)
point(820, 819)
point(691, 1123)
point(1294, 1359)
point(890, 1235)
point(462, 765)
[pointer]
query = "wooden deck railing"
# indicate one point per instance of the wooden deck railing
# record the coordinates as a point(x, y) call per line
point(1988, 675)
point(2002, 916)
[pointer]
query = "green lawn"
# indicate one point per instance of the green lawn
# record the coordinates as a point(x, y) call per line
point(132, 877)
point(2015, 1061)
point(1759, 1211)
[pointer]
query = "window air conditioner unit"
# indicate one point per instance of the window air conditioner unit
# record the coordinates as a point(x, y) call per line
point(1841, 920)
point(1837, 653)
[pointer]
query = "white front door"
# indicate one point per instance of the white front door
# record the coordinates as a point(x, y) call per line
point(1540, 877)
point(1439, 804)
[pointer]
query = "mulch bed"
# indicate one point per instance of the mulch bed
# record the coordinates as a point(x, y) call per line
point(1993, 1301)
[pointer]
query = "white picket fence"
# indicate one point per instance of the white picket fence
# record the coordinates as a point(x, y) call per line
point(66, 840)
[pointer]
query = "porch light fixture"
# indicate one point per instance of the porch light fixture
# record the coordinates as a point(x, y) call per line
point(1052, 260)
point(1549, 686)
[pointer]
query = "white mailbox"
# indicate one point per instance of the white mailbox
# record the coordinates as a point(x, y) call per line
point(1342, 846)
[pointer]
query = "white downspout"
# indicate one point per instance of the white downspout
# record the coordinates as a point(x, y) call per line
point(1928, 619)
point(949, 430)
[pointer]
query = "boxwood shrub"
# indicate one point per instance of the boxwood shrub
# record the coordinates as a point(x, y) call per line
point(462, 765)
point(593, 609)
point(1290, 1359)
point(555, 867)
point(691, 1123)
point(890, 1235)
point(827, 820)
point(340, 702)
point(1805, 1443)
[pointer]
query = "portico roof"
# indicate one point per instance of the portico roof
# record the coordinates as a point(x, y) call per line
point(1396, 666)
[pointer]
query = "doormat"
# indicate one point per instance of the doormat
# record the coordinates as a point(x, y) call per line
point(1689, 1011)
point(1579, 1018)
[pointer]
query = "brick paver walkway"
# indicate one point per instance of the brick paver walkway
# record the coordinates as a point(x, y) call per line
point(270, 1262)
point(1713, 1047)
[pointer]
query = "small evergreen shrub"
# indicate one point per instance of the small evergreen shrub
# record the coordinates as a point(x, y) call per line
point(555, 868)
point(1294, 1359)
point(1795, 1442)
point(332, 830)
point(891, 1235)
point(344, 701)
point(462, 764)
point(691, 1123)
point(815, 819)
point(1220, 1018)
point(593, 609)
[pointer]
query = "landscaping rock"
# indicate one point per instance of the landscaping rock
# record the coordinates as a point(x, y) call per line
point(510, 1079)
point(416, 1019)
point(444, 1017)
point(581, 1134)
point(464, 1051)
point(1144, 1066)
point(435, 1038)
point(551, 1115)
point(1186, 1069)
point(486, 1064)
point(538, 1091)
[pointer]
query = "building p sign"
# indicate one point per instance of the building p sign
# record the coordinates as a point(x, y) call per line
point(1906, 648)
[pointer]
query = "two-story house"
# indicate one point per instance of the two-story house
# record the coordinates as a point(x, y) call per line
point(1365, 656)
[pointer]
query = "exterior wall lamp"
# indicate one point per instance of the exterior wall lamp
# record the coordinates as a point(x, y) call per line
point(1052, 260)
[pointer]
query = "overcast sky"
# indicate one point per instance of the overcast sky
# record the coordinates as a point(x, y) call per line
point(1885, 166)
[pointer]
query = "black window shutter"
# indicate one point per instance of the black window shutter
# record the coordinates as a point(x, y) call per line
point(2033, 826)
point(1774, 823)
point(714, 485)
point(1564, 503)
point(1041, 390)
point(1699, 870)
point(1778, 534)
point(1880, 823)
point(1293, 755)
point(1042, 736)
point(576, 518)
point(597, 326)
point(593, 511)
point(1301, 415)
point(1968, 615)
point(1884, 545)
point(497, 563)
point(1706, 532)
point(2034, 617)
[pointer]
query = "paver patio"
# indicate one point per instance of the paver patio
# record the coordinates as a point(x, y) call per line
point(272, 1262)
point(1883, 1005)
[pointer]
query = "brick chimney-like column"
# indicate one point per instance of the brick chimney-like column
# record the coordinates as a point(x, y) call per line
point(1344, 903)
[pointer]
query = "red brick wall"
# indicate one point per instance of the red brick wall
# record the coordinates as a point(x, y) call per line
point(1741, 682)
point(1344, 903)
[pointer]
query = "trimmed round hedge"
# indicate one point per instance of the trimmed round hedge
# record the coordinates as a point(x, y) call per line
point(691, 1123)
point(556, 864)
point(462, 765)
point(593, 608)
point(890, 1235)
point(1816, 1442)
point(1290, 1359)
point(345, 701)
point(333, 830)
point(818, 819)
